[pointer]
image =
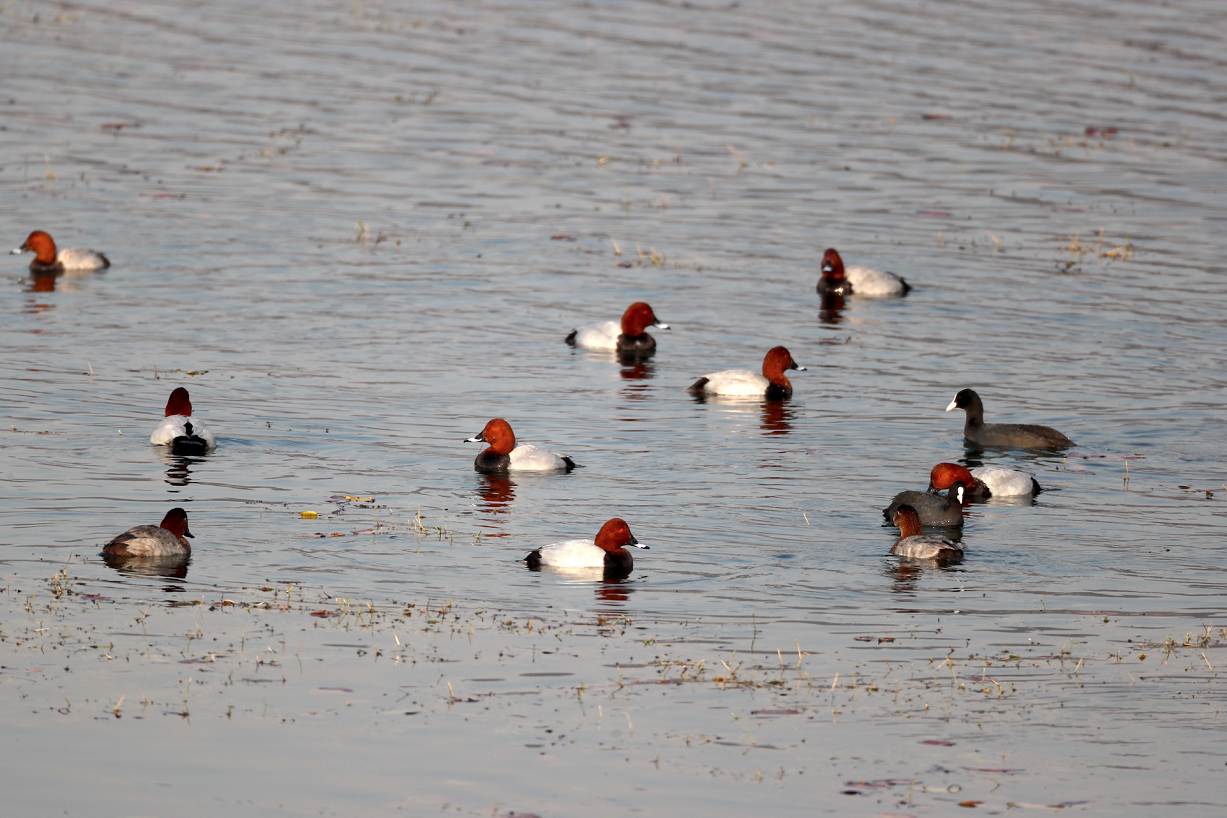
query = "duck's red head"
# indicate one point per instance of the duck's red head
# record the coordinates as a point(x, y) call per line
point(615, 535)
point(908, 521)
point(175, 522)
point(179, 403)
point(945, 475)
point(638, 317)
point(499, 435)
point(777, 361)
point(832, 265)
point(42, 245)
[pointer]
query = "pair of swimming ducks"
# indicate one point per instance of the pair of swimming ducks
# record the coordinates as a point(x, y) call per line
point(630, 337)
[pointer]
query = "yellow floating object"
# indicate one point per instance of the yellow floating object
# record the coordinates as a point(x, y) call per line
point(309, 515)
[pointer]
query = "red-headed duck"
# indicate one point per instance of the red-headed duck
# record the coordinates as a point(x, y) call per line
point(180, 431)
point(773, 384)
point(984, 482)
point(934, 509)
point(917, 545)
point(607, 550)
point(503, 455)
point(48, 261)
point(1017, 435)
point(836, 280)
point(629, 336)
point(163, 540)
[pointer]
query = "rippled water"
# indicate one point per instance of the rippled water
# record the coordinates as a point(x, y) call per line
point(358, 232)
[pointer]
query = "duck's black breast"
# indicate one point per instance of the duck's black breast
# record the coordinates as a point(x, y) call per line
point(491, 463)
point(636, 343)
point(40, 268)
point(777, 392)
point(979, 492)
point(618, 563)
point(828, 286)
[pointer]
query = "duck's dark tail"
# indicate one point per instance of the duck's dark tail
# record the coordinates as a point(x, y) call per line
point(697, 386)
point(192, 445)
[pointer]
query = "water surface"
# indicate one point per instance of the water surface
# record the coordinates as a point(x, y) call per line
point(358, 232)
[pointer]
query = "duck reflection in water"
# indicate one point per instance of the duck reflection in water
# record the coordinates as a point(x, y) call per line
point(49, 282)
point(496, 493)
point(777, 417)
point(831, 313)
point(169, 567)
point(636, 369)
point(42, 283)
point(613, 588)
point(178, 471)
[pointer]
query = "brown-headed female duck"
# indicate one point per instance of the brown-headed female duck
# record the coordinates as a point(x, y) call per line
point(163, 540)
point(915, 544)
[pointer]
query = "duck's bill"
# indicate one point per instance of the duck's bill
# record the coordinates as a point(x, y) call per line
point(17, 251)
point(475, 439)
point(637, 544)
point(799, 368)
point(659, 325)
point(189, 534)
point(827, 268)
point(952, 405)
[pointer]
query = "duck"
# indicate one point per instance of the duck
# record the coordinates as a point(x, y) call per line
point(503, 455)
point(629, 336)
point(857, 280)
point(944, 511)
point(47, 260)
point(773, 384)
point(1016, 435)
point(184, 434)
point(917, 545)
point(607, 550)
point(163, 540)
point(984, 482)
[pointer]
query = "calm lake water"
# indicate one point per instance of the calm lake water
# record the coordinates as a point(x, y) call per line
point(356, 232)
